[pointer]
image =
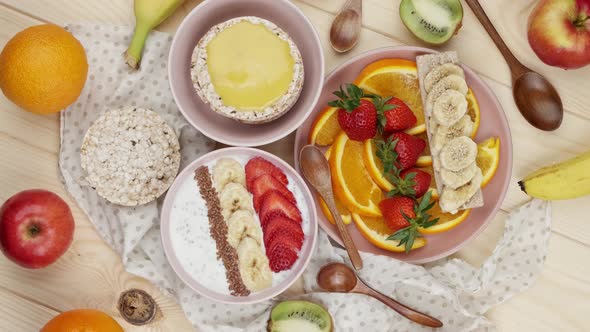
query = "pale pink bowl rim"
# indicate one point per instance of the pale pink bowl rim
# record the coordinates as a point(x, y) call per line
point(191, 281)
point(504, 120)
point(293, 127)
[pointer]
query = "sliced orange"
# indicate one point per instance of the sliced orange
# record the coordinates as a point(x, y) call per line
point(351, 181)
point(375, 168)
point(325, 127)
point(473, 111)
point(488, 158)
point(376, 232)
point(425, 158)
point(395, 78)
point(446, 221)
point(344, 212)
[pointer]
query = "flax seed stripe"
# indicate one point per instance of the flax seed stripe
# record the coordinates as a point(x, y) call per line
point(218, 230)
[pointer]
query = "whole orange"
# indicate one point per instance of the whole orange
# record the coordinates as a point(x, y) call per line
point(82, 320)
point(43, 69)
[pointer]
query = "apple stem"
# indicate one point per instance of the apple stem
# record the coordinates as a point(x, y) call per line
point(580, 22)
point(34, 230)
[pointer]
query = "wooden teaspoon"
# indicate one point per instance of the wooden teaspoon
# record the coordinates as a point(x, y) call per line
point(338, 277)
point(535, 97)
point(317, 171)
point(346, 27)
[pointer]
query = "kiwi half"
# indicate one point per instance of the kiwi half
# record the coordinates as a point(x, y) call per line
point(299, 316)
point(433, 21)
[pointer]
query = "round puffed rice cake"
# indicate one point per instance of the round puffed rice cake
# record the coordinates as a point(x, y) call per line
point(131, 156)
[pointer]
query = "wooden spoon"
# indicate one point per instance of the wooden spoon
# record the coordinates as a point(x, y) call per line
point(338, 277)
point(536, 98)
point(346, 27)
point(317, 171)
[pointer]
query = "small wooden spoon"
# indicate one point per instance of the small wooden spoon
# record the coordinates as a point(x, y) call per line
point(317, 171)
point(346, 27)
point(536, 98)
point(338, 277)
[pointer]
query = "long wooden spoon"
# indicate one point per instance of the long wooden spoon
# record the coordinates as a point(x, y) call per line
point(535, 97)
point(338, 277)
point(346, 27)
point(317, 171)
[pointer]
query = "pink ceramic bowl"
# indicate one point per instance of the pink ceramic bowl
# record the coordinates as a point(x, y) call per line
point(175, 253)
point(225, 130)
point(493, 123)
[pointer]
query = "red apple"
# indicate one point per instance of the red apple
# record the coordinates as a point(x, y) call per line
point(36, 228)
point(559, 32)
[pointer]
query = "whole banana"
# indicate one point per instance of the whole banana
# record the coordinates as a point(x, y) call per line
point(148, 15)
point(568, 179)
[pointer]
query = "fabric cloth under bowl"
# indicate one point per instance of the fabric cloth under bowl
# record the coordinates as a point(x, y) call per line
point(451, 290)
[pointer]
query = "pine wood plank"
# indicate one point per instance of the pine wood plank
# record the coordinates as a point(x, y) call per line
point(20, 315)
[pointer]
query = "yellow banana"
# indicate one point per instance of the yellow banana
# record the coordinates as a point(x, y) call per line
point(148, 15)
point(568, 179)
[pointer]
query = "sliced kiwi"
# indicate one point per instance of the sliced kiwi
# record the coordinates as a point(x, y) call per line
point(299, 316)
point(433, 21)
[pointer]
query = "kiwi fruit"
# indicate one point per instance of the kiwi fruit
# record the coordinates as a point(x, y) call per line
point(433, 21)
point(299, 316)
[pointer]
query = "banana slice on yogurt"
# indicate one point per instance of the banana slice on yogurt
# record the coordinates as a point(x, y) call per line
point(452, 199)
point(440, 72)
point(457, 154)
point(234, 197)
point(253, 265)
point(240, 225)
point(227, 170)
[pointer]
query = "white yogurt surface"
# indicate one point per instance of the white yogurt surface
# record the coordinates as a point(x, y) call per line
point(193, 244)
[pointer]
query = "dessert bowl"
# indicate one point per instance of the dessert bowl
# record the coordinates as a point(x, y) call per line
point(190, 247)
point(493, 123)
point(200, 114)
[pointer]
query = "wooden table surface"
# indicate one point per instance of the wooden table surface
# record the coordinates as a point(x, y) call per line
point(90, 274)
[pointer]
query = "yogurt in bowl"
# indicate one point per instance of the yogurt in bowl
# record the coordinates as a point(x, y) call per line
point(237, 230)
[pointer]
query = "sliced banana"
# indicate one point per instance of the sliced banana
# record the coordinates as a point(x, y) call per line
point(253, 265)
point(458, 153)
point(234, 197)
point(452, 199)
point(451, 82)
point(227, 170)
point(241, 224)
point(459, 178)
point(449, 108)
point(440, 72)
point(443, 134)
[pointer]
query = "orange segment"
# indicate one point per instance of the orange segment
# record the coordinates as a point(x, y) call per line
point(325, 127)
point(375, 168)
point(352, 183)
point(395, 78)
point(488, 158)
point(473, 111)
point(446, 221)
point(344, 213)
point(376, 232)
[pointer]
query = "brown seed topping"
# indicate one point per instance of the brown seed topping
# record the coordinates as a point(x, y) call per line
point(218, 230)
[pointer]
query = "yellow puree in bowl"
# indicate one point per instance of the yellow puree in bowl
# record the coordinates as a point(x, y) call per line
point(250, 67)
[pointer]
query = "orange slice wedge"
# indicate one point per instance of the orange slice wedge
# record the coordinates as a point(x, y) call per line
point(395, 78)
point(325, 127)
point(376, 232)
point(344, 212)
point(352, 183)
point(473, 111)
point(488, 158)
point(446, 221)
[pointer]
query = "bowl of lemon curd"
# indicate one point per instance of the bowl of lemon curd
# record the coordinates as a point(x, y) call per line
point(246, 72)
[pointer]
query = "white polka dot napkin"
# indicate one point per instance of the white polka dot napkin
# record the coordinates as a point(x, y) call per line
point(451, 290)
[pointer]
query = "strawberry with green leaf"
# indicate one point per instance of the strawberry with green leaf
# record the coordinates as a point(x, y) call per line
point(393, 114)
point(356, 116)
point(404, 215)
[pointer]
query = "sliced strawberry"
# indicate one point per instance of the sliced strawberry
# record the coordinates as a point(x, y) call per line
point(281, 256)
point(273, 204)
point(294, 242)
point(258, 166)
point(281, 227)
point(266, 182)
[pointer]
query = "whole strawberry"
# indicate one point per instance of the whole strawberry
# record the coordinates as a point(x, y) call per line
point(356, 116)
point(393, 210)
point(413, 182)
point(395, 115)
point(408, 149)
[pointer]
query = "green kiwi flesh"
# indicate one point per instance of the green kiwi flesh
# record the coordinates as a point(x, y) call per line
point(299, 316)
point(433, 21)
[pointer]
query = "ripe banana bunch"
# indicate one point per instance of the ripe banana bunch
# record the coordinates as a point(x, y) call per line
point(148, 15)
point(565, 180)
